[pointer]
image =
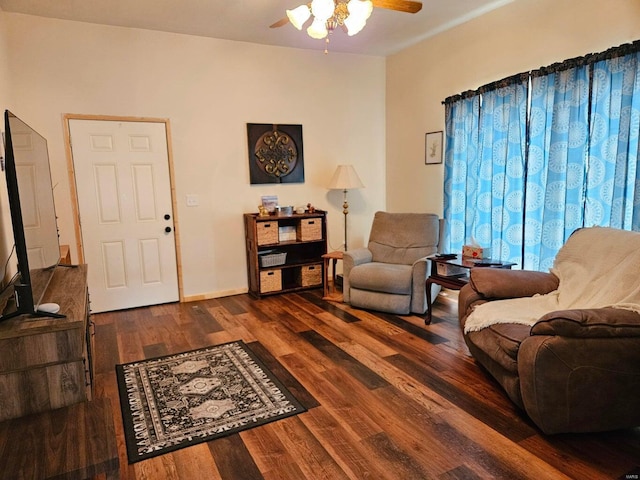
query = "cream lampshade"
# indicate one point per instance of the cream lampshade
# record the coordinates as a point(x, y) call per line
point(345, 178)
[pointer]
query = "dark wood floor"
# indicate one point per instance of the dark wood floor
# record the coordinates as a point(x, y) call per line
point(388, 398)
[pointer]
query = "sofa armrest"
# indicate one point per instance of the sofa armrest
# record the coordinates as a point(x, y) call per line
point(468, 298)
point(580, 384)
point(589, 323)
point(486, 284)
point(499, 283)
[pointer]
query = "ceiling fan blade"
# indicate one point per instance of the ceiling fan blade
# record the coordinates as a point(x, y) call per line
point(280, 23)
point(407, 6)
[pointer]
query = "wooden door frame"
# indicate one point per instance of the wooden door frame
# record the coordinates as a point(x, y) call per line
point(74, 192)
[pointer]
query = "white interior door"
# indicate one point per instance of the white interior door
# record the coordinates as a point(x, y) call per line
point(126, 217)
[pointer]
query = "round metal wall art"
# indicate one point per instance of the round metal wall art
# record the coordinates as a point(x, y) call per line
point(275, 153)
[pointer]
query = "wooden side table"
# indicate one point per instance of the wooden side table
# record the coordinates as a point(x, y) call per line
point(453, 272)
point(326, 294)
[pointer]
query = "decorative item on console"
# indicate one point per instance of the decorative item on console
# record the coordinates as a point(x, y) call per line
point(270, 206)
point(270, 202)
point(284, 211)
point(262, 211)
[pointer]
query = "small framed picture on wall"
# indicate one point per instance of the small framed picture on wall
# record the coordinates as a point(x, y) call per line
point(433, 148)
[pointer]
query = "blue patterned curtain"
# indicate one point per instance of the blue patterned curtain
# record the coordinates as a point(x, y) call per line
point(460, 170)
point(522, 181)
point(500, 199)
point(558, 134)
point(613, 181)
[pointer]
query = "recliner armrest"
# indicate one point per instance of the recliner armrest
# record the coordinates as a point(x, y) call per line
point(357, 256)
point(350, 259)
point(497, 283)
point(589, 323)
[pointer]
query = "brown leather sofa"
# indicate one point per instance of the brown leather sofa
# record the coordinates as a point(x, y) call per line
point(573, 371)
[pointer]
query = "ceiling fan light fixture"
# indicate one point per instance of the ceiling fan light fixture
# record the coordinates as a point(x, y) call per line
point(360, 8)
point(350, 15)
point(359, 12)
point(354, 25)
point(322, 9)
point(299, 15)
point(318, 29)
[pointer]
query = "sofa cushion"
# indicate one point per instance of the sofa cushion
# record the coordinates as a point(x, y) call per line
point(382, 277)
point(501, 342)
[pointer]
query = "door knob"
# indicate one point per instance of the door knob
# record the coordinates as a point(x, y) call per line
point(167, 216)
point(167, 229)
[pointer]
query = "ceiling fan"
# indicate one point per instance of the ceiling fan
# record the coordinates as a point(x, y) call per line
point(350, 15)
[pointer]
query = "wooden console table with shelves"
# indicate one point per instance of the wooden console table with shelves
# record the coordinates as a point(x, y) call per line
point(284, 252)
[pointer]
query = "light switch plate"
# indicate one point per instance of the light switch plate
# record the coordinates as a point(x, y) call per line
point(192, 200)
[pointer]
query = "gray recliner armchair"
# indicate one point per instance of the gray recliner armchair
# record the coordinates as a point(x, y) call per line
point(389, 275)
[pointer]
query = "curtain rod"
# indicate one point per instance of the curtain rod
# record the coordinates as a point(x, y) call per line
point(588, 59)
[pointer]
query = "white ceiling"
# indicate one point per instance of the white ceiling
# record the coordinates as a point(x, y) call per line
point(387, 31)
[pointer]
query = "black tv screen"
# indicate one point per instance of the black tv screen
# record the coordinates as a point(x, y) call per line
point(33, 214)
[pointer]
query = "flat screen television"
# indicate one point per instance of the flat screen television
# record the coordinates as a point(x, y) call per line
point(33, 217)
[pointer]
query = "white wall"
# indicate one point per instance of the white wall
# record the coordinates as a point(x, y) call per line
point(6, 236)
point(4, 65)
point(209, 89)
point(521, 36)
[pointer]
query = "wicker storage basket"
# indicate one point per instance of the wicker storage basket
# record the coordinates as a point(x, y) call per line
point(270, 281)
point(272, 258)
point(311, 275)
point(267, 232)
point(309, 229)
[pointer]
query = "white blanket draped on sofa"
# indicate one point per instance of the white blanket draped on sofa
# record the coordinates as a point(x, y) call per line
point(597, 267)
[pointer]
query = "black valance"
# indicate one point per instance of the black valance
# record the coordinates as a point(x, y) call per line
point(505, 82)
point(591, 58)
point(614, 52)
point(461, 96)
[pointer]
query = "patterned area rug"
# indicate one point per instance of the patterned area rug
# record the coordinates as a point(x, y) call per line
point(179, 400)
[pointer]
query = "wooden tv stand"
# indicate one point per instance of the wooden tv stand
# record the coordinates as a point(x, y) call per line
point(45, 362)
point(48, 428)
